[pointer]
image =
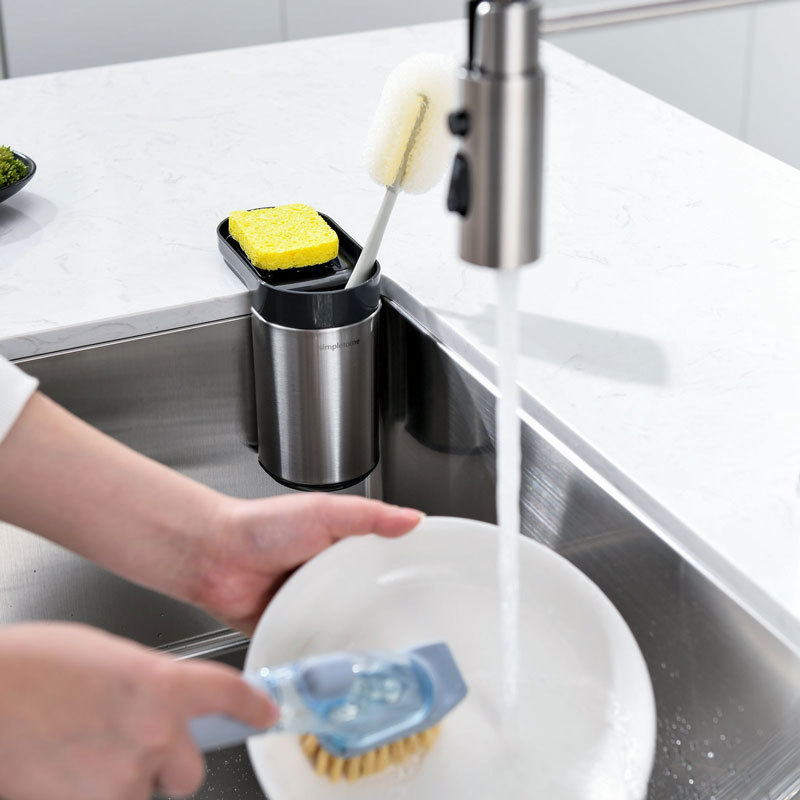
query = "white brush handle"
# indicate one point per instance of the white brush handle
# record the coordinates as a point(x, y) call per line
point(369, 252)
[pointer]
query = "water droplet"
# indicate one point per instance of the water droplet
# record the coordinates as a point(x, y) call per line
point(710, 754)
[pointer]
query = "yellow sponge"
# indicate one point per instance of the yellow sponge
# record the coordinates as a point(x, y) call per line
point(284, 236)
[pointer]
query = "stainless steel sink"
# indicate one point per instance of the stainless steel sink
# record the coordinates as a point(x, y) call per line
point(728, 692)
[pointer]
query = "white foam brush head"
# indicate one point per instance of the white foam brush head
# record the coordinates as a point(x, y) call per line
point(416, 99)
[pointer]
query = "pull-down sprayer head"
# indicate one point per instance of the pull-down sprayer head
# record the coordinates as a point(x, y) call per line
point(496, 184)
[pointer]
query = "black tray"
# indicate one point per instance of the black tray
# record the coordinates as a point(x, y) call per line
point(306, 297)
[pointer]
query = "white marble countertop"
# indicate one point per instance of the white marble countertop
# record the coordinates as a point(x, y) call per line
point(660, 332)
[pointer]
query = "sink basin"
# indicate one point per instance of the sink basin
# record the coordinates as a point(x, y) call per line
point(229, 773)
point(727, 691)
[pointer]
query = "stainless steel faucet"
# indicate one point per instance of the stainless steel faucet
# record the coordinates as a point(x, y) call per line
point(496, 183)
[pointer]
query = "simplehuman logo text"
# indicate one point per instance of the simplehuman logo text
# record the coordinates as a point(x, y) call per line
point(338, 345)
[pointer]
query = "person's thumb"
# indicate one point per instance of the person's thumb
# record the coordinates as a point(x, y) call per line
point(218, 689)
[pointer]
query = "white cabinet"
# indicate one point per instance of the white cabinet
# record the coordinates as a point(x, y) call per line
point(698, 63)
point(323, 17)
point(737, 69)
point(773, 114)
point(52, 35)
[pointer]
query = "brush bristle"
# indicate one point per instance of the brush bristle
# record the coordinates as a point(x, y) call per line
point(426, 75)
point(370, 763)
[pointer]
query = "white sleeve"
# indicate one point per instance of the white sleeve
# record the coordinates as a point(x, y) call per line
point(16, 387)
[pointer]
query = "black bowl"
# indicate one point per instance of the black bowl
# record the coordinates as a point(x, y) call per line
point(13, 188)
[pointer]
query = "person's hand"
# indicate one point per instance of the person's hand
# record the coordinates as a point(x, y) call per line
point(63, 479)
point(255, 544)
point(86, 715)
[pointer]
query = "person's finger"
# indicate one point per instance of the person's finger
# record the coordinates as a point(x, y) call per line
point(183, 772)
point(349, 515)
point(208, 688)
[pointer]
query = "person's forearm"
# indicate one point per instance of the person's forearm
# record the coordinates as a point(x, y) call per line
point(64, 480)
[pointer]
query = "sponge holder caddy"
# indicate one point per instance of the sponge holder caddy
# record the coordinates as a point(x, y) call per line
point(314, 364)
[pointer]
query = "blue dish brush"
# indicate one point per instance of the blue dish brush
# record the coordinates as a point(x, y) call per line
point(357, 711)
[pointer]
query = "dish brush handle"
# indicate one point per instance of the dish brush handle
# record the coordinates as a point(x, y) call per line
point(369, 252)
point(296, 688)
point(213, 731)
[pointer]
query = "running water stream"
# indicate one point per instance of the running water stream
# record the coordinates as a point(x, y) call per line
point(507, 443)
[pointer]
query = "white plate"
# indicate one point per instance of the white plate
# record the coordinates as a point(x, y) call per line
point(587, 714)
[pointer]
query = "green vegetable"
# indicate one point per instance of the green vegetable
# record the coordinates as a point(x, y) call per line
point(11, 168)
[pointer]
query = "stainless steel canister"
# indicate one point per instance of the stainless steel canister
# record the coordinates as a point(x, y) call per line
point(314, 365)
point(316, 402)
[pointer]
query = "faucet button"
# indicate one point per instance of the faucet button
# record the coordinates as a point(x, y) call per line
point(458, 196)
point(459, 123)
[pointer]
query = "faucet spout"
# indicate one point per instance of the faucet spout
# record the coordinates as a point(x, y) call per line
point(496, 182)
